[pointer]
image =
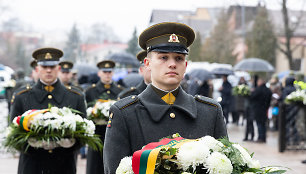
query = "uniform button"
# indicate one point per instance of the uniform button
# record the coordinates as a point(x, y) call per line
point(49, 96)
point(172, 115)
point(133, 97)
point(108, 92)
point(111, 115)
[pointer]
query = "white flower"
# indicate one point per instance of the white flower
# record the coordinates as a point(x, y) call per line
point(186, 173)
point(244, 154)
point(89, 127)
point(218, 163)
point(212, 143)
point(89, 111)
point(54, 110)
point(192, 154)
point(125, 166)
point(248, 173)
point(254, 164)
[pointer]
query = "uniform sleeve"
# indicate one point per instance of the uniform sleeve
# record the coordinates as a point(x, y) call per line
point(16, 108)
point(220, 127)
point(82, 105)
point(117, 142)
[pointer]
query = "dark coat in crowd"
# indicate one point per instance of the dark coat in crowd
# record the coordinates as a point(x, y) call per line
point(138, 120)
point(259, 102)
point(38, 161)
point(289, 87)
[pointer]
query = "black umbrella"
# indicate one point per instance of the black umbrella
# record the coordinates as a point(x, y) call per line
point(124, 58)
point(85, 69)
point(222, 71)
point(200, 74)
point(254, 65)
point(132, 79)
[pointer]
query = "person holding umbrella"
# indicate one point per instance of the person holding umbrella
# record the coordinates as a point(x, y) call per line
point(226, 95)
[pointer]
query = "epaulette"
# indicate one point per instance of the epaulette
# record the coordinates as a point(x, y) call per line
point(26, 88)
point(206, 100)
point(73, 90)
point(120, 87)
point(20, 91)
point(128, 101)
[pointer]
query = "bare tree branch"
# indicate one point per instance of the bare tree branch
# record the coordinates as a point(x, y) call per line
point(299, 44)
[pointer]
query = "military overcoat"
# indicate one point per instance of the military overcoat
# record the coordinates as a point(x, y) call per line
point(98, 91)
point(139, 120)
point(37, 161)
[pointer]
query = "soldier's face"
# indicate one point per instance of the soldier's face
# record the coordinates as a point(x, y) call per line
point(65, 77)
point(105, 76)
point(167, 69)
point(47, 74)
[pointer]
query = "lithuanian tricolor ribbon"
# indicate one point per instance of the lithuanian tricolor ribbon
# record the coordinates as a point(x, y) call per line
point(24, 121)
point(144, 160)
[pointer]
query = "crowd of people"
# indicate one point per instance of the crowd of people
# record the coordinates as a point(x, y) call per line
point(159, 106)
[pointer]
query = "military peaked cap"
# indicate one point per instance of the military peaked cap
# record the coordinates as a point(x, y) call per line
point(66, 66)
point(106, 65)
point(141, 55)
point(47, 56)
point(167, 37)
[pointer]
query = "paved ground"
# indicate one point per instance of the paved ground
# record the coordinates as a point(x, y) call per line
point(266, 153)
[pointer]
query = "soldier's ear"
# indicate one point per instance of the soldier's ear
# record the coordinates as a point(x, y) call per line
point(146, 62)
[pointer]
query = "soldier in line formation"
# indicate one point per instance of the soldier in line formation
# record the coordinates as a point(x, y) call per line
point(158, 104)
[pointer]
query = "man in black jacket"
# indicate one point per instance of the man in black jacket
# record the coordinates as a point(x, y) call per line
point(259, 102)
point(47, 90)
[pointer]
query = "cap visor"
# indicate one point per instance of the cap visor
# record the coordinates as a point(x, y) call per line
point(106, 69)
point(171, 49)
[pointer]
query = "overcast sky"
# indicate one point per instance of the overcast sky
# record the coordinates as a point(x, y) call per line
point(121, 15)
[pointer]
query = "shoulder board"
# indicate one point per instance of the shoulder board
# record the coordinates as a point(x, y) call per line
point(121, 87)
point(73, 90)
point(206, 100)
point(128, 101)
point(24, 89)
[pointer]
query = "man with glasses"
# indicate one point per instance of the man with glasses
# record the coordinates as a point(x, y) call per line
point(105, 89)
point(47, 90)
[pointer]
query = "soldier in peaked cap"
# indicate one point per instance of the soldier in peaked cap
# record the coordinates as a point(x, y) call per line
point(47, 90)
point(104, 89)
point(163, 108)
point(65, 74)
point(144, 72)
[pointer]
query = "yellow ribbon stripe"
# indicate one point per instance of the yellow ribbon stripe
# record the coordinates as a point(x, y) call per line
point(27, 118)
point(152, 160)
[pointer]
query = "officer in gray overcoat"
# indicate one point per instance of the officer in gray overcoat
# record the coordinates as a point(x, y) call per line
point(104, 89)
point(163, 108)
point(47, 90)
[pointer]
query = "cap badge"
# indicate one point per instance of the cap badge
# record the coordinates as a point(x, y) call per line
point(107, 65)
point(173, 38)
point(48, 56)
point(65, 66)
